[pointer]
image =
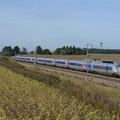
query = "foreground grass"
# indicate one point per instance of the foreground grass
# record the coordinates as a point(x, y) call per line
point(26, 98)
point(111, 93)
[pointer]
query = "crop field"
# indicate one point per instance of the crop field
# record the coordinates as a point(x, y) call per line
point(26, 98)
point(82, 57)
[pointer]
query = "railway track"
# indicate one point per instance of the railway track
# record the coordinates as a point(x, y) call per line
point(106, 80)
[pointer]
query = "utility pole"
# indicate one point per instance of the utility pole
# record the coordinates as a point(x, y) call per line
point(88, 60)
point(35, 60)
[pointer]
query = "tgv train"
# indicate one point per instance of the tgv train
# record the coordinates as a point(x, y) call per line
point(100, 66)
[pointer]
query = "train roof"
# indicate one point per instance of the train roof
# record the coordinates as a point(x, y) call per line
point(61, 59)
point(101, 60)
point(49, 58)
point(76, 61)
point(40, 58)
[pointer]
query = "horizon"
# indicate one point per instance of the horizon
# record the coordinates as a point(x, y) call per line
point(59, 48)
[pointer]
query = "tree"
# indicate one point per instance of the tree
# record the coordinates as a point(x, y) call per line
point(38, 50)
point(7, 51)
point(74, 50)
point(71, 52)
point(67, 51)
point(24, 50)
point(57, 51)
point(46, 51)
point(16, 50)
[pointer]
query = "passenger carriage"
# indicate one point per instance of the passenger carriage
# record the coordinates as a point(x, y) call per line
point(49, 61)
point(107, 67)
point(33, 59)
point(41, 60)
point(76, 65)
point(28, 59)
point(61, 63)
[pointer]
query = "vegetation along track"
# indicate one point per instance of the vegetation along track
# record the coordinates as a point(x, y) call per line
point(110, 81)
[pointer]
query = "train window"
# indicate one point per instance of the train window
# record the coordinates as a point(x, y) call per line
point(41, 60)
point(48, 61)
point(111, 62)
point(27, 58)
point(109, 68)
point(58, 62)
point(75, 64)
point(102, 67)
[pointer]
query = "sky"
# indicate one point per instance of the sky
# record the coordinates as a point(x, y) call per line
point(53, 24)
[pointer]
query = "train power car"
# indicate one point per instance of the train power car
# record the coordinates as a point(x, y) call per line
point(107, 67)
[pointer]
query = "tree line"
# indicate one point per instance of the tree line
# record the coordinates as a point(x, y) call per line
point(65, 50)
point(9, 51)
point(104, 51)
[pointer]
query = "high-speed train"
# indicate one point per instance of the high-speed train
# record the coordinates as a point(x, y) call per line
point(100, 66)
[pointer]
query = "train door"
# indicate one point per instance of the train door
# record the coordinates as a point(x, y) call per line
point(109, 70)
point(118, 70)
point(90, 66)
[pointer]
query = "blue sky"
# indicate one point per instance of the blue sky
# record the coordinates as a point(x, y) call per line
point(55, 23)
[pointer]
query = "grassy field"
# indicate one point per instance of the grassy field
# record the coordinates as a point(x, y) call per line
point(26, 98)
point(82, 57)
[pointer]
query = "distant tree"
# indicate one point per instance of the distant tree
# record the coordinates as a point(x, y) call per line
point(16, 50)
point(46, 52)
point(66, 50)
point(32, 52)
point(71, 52)
point(24, 50)
point(74, 50)
point(78, 51)
point(84, 51)
point(63, 48)
point(7, 51)
point(57, 51)
point(105, 51)
point(38, 50)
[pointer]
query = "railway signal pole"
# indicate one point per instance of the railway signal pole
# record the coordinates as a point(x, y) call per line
point(87, 56)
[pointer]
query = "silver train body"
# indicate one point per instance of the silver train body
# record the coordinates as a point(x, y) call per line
point(100, 66)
